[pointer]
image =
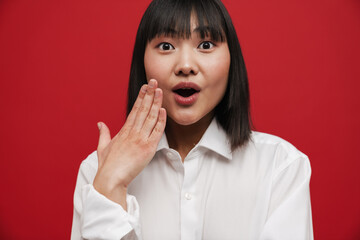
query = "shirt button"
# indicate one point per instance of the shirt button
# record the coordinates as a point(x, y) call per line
point(170, 155)
point(188, 196)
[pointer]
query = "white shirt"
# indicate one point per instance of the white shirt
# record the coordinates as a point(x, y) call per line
point(259, 191)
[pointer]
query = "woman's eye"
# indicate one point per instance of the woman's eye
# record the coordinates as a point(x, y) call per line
point(206, 45)
point(165, 46)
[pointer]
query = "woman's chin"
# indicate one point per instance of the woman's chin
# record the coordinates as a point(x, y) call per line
point(189, 119)
point(184, 121)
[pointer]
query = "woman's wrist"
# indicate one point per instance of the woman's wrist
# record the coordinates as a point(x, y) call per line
point(116, 192)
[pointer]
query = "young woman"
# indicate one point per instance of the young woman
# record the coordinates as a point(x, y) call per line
point(186, 164)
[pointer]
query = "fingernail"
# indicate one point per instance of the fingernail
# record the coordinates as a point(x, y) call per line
point(157, 92)
point(152, 83)
point(99, 125)
point(143, 88)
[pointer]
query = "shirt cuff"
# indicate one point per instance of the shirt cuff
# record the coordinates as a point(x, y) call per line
point(102, 218)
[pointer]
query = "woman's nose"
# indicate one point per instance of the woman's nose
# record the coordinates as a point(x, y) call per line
point(186, 62)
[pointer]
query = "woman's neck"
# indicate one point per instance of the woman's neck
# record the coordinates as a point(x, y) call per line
point(183, 138)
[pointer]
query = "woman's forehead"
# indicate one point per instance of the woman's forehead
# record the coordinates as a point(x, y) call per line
point(199, 31)
point(195, 27)
point(181, 20)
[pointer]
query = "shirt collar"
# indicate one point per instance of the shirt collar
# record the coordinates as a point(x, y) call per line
point(163, 144)
point(214, 139)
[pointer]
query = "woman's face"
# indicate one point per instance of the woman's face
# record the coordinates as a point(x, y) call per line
point(192, 73)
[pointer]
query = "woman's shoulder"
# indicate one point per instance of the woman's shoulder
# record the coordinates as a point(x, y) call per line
point(276, 148)
point(269, 140)
point(261, 137)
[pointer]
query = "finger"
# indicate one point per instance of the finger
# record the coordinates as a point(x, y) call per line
point(159, 127)
point(153, 115)
point(145, 105)
point(104, 136)
point(129, 123)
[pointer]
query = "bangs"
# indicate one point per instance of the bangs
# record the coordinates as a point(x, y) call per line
point(173, 18)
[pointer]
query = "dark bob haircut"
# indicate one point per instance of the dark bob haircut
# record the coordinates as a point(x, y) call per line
point(162, 17)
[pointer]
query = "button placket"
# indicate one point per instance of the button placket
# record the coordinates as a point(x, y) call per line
point(189, 201)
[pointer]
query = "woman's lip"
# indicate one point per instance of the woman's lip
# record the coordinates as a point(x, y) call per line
point(186, 101)
point(186, 85)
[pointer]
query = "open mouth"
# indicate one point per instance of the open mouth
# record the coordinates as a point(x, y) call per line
point(186, 92)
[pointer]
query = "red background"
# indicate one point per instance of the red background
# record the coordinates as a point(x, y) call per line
point(64, 65)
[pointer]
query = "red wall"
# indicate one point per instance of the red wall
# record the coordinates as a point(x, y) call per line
point(64, 66)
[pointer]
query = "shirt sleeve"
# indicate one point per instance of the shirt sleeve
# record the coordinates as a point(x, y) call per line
point(97, 217)
point(289, 215)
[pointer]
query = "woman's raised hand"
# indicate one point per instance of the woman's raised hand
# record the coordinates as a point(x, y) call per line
point(122, 158)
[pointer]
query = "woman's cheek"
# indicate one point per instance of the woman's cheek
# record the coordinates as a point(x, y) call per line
point(157, 68)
